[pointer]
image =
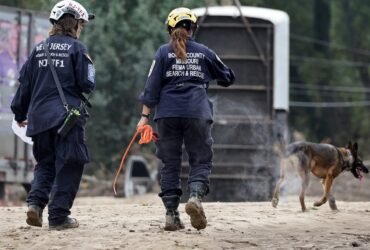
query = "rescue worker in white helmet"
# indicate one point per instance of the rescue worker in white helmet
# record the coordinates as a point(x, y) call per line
point(38, 105)
point(177, 89)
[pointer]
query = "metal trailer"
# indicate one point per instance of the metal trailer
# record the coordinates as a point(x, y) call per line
point(251, 115)
point(20, 30)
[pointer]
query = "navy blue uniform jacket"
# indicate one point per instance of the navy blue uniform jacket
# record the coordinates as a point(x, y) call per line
point(37, 99)
point(179, 89)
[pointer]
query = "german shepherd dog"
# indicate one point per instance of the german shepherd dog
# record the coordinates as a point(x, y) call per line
point(324, 161)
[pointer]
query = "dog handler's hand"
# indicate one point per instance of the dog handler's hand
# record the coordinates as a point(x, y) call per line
point(22, 124)
point(143, 121)
point(144, 116)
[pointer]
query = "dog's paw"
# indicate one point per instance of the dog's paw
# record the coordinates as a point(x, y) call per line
point(318, 203)
point(274, 202)
point(334, 208)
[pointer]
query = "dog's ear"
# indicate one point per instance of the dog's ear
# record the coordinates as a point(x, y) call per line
point(365, 170)
point(355, 148)
point(349, 145)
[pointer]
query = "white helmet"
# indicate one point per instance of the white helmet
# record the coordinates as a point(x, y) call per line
point(70, 7)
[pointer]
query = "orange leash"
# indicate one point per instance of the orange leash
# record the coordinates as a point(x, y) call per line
point(146, 136)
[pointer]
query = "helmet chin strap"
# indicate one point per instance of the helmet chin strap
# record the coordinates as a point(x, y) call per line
point(194, 28)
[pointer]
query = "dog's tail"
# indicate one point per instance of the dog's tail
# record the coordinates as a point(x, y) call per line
point(279, 148)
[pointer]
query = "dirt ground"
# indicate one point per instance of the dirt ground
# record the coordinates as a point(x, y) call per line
point(137, 223)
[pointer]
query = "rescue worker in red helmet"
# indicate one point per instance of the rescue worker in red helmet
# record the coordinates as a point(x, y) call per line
point(37, 104)
point(177, 89)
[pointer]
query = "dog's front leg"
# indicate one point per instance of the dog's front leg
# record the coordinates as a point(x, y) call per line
point(332, 204)
point(328, 181)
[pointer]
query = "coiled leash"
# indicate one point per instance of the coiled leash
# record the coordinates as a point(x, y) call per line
point(146, 136)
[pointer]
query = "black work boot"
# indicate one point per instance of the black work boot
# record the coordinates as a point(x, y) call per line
point(66, 224)
point(34, 216)
point(173, 220)
point(194, 206)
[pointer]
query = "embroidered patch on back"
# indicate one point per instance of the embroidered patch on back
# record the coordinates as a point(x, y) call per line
point(91, 73)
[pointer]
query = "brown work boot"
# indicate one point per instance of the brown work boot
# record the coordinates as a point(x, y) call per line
point(173, 221)
point(195, 210)
point(34, 216)
point(67, 224)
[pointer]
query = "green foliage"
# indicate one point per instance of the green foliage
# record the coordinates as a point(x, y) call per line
point(38, 5)
point(338, 58)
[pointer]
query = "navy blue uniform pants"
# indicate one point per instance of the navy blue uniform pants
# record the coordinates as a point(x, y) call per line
point(195, 134)
point(58, 172)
